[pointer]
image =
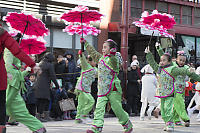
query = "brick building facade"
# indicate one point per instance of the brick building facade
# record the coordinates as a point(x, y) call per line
point(186, 31)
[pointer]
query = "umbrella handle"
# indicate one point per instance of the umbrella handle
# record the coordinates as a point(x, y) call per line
point(82, 46)
point(23, 32)
point(150, 38)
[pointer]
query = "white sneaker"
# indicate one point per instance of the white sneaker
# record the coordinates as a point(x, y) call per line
point(142, 118)
point(190, 112)
point(169, 129)
point(198, 120)
point(149, 115)
point(87, 120)
point(198, 116)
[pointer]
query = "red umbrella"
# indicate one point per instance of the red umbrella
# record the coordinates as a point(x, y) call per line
point(32, 46)
point(81, 14)
point(157, 22)
point(26, 24)
point(77, 29)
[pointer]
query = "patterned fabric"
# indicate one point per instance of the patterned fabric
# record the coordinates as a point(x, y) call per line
point(180, 84)
point(105, 79)
point(165, 83)
point(85, 81)
point(179, 80)
point(88, 74)
point(108, 67)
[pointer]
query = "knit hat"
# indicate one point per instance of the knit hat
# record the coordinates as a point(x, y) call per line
point(147, 69)
point(135, 63)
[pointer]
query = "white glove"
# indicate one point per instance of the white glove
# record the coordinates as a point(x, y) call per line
point(147, 49)
point(37, 64)
point(28, 69)
point(186, 84)
point(157, 44)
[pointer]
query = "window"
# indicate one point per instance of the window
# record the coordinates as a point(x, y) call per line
point(136, 8)
point(175, 11)
point(162, 7)
point(189, 46)
point(150, 5)
point(187, 15)
point(197, 16)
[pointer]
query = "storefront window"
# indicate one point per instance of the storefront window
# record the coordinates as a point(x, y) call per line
point(198, 47)
point(189, 46)
point(88, 38)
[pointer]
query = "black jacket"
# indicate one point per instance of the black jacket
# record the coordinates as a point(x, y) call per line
point(71, 69)
point(43, 81)
point(60, 69)
point(30, 93)
point(133, 85)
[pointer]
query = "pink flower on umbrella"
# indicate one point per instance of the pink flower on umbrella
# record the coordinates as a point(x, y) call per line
point(32, 46)
point(157, 21)
point(78, 29)
point(81, 14)
point(26, 24)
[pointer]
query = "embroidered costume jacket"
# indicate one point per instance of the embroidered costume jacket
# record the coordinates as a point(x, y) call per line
point(108, 68)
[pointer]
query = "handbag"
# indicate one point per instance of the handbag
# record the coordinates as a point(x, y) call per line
point(67, 104)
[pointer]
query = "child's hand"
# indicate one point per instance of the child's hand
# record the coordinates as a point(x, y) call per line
point(139, 81)
point(82, 40)
point(28, 69)
point(147, 49)
point(157, 44)
point(80, 52)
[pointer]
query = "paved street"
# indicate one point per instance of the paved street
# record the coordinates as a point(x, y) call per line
point(111, 126)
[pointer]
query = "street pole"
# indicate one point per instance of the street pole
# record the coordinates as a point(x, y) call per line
point(124, 40)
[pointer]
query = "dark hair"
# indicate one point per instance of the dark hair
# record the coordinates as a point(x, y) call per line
point(90, 58)
point(32, 74)
point(112, 44)
point(169, 57)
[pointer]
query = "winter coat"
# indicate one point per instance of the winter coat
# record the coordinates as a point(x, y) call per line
point(133, 85)
point(42, 84)
point(6, 41)
point(71, 68)
point(60, 69)
point(30, 93)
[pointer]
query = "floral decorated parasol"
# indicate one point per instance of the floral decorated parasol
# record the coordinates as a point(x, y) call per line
point(156, 21)
point(32, 46)
point(26, 24)
point(81, 14)
point(85, 29)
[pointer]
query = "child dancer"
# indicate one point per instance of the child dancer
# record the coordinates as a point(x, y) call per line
point(83, 90)
point(149, 84)
point(165, 90)
point(179, 104)
point(15, 105)
point(109, 88)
